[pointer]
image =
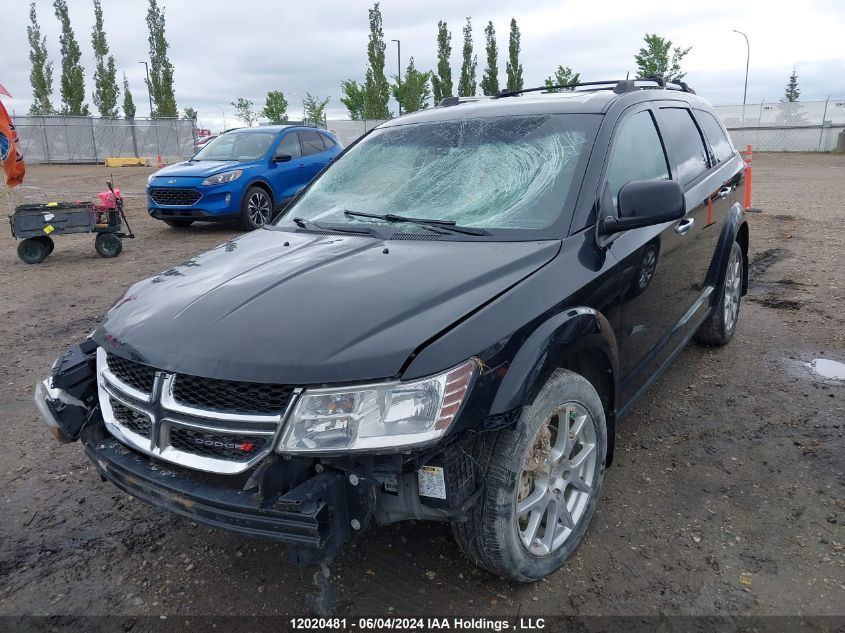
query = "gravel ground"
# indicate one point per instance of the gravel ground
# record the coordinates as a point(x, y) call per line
point(727, 495)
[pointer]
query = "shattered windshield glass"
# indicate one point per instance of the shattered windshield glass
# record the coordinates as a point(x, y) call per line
point(510, 172)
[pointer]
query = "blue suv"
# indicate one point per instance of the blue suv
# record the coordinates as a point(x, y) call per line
point(247, 174)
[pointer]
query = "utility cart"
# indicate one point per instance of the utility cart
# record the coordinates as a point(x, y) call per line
point(36, 224)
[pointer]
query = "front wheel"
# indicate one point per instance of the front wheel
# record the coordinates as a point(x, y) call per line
point(34, 250)
point(541, 482)
point(108, 245)
point(256, 208)
point(720, 326)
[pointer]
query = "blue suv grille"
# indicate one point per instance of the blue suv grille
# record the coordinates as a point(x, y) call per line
point(175, 196)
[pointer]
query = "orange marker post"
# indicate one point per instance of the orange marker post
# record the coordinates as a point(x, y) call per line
point(747, 177)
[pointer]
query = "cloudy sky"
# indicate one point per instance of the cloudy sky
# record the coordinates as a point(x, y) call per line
point(222, 49)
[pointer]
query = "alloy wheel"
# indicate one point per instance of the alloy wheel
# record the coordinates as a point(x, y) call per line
point(555, 484)
point(258, 208)
point(733, 290)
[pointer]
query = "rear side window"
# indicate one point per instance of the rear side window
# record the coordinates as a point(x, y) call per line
point(722, 149)
point(312, 143)
point(289, 145)
point(686, 142)
point(328, 141)
point(637, 154)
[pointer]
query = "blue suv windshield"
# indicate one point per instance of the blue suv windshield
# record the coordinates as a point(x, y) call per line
point(240, 146)
point(499, 173)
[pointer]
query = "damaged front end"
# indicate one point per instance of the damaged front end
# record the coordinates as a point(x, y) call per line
point(223, 470)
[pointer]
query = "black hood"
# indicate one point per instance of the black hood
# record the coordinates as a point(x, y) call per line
point(323, 309)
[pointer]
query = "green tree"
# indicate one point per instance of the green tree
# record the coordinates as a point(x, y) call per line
point(655, 60)
point(376, 89)
point(314, 109)
point(413, 92)
point(244, 110)
point(354, 97)
point(792, 90)
point(41, 72)
point(72, 82)
point(128, 103)
point(441, 81)
point(190, 114)
point(466, 84)
point(161, 70)
point(562, 77)
point(275, 107)
point(490, 80)
point(514, 68)
point(106, 90)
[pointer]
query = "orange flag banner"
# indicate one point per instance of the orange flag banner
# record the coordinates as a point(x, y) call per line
point(10, 154)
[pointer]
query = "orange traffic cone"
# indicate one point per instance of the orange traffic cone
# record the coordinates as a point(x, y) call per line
point(160, 162)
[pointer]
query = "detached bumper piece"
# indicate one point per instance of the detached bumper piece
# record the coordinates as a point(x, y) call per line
point(315, 518)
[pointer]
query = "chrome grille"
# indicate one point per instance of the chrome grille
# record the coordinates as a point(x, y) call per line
point(227, 395)
point(175, 196)
point(133, 374)
point(135, 421)
point(216, 426)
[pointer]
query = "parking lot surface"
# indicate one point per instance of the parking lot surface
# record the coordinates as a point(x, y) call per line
point(727, 494)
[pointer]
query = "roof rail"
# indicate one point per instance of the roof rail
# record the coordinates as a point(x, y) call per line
point(445, 102)
point(619, 86)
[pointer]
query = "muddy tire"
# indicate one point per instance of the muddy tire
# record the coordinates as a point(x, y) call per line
point(33, 250)
point(179, 223)
point(540, 485)
point(720, 326)
point(108, 245)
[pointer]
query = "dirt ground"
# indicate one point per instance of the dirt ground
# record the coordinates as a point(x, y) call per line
point(727, 495)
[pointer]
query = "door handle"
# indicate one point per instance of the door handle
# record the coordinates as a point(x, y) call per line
point(684, 225)
point(724, 192)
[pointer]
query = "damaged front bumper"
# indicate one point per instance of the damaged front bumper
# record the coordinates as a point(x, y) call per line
point(315, 518)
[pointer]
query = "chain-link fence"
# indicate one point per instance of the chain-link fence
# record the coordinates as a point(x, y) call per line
point(800, 126)
point(76, 139)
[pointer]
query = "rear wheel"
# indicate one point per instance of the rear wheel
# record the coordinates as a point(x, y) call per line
point(179, 223)
point(46, 239)
point(108, 245)
point(256, 208)
point(720, 326)
point(33, 250)
point(541, 482)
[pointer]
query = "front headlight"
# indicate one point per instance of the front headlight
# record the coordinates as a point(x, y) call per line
point(374, 417)
point(150, 179)
point(226, 176)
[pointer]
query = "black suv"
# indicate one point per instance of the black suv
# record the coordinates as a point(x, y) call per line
point(449, 323)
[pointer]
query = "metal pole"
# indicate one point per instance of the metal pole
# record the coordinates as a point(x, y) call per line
point(149, 89)
point(224, 116)
point(399, 71)
point(824, 116)
point(93, 139)
point(747, 60)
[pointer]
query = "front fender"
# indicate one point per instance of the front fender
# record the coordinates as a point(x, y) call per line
point(547, 348)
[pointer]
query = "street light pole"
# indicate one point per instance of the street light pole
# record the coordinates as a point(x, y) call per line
point(223, 112)
point(747, 59)
point(149, 93)
point(399, 70)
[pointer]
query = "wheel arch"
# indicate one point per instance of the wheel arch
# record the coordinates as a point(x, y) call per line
point(734, 230)
point(578, 339)
point(262, 184)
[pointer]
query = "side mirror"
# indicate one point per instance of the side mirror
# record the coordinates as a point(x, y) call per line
point(646, 203)
point(282, 158)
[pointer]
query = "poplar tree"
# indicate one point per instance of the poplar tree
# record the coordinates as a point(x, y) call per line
point(73, 75)
point(41, 72)
point(128, 103)
point(353, 98)
point(655, 60)
point(441, 81)
point(490, 80)
point(413, 91)
point(466, 85)
point(106, 90)
point(161, 70)
point(376, 89)
point(514, 67)
point(275, 107)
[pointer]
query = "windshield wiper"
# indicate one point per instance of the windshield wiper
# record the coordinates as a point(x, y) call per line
point(447, 225)
point(364, 230)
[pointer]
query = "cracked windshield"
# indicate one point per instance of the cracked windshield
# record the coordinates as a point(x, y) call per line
point(493, 173)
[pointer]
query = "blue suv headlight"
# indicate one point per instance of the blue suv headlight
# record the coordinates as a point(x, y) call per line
point(226, 176)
